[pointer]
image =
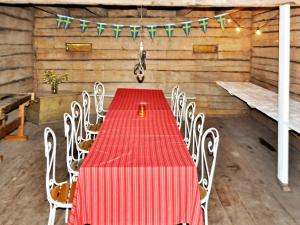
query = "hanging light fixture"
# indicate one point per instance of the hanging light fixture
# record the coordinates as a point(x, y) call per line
point(258, 31)
point(238, 28)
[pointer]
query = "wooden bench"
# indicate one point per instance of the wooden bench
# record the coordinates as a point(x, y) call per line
point(264, 100)
point(8, 103)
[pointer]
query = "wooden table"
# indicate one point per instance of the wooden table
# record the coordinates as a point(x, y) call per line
point(139, 170)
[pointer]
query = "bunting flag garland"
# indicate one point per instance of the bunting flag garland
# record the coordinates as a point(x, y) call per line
point(204, 24)
point(100, 28)
point(84, 25)
point(67, 22)
point(186, 26)
point(134, 31)
point(117, 30)
point(60, 21)
point(221, 21)
point(169, 29)
point(152, 31)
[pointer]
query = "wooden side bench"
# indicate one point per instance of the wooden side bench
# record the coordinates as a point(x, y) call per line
point(263, 100)
point(8, 103)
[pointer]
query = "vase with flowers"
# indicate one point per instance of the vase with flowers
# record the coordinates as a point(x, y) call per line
point(54, 79)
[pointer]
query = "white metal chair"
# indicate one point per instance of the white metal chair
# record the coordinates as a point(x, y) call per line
point(59, 195)
point(189, 117)
point(82, 141)
point(175, 92)
point(72, 156)
point(209, 149)
point(180, 108)
point(91, 129)
point(198, 126)
point(99, 92)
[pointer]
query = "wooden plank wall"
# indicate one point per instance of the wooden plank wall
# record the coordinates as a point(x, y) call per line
point(264, 61)
point(16, 52)
point(169, 61)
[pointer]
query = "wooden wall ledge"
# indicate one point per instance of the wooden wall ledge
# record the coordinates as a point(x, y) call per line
point(194, 3)
point(262, 100)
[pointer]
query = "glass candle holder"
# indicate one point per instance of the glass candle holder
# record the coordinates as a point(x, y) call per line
point(142, 110)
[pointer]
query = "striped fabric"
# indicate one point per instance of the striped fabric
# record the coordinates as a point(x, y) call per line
point(138, 171)
point(129, 99)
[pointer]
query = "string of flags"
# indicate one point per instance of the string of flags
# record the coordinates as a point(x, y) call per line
point(66, 21)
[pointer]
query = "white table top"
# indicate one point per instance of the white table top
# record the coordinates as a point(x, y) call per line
point(263, 100)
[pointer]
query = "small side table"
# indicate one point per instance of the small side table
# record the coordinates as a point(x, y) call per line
point(48, 107)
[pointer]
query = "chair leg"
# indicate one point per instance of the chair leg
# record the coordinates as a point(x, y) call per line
point(204, 207)
point(53, 216)
point(81, 155)
point(52, 212)
point(88, 135)
point(50, 215)
point(67, 216)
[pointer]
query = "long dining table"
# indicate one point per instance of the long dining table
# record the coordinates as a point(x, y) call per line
point(139, 170)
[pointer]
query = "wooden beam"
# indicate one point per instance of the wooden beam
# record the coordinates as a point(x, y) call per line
point(11, 102)
point(194, 3)
point(99, 11)
point(184, 12)
point(57, 10)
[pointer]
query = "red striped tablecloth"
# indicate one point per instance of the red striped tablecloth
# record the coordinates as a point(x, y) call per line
point(129, 99)
point(138, 171)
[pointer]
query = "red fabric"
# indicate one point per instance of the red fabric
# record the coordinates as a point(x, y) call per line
point(129, 99)
point(138, 171)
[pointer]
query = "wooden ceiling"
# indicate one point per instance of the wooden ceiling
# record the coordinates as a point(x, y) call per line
point(194, 3)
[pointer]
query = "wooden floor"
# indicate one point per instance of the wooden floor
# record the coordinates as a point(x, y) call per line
point(245, 185)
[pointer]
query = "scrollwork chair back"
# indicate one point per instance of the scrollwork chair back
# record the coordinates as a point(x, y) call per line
point(188, 121)
point(174, 95)
point(180, 109)
point(50, 154)
point(99, 92)
point(72, 155)
point(198, 126)
point(209, 150)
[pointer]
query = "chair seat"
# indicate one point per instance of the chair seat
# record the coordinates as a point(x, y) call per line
point(75, 165)
point(63, 193)
point(203, 192)
point(94, 127)
point(86, 145)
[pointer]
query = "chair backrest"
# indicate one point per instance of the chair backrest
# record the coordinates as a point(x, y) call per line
point(99, 92)
point(180, 108)
point(174, 94)
point(189, 117)
point(198, 126)
point(69, 127)
point(209, 149)
point(86, 103)
point(50, 154)
point(77, 115)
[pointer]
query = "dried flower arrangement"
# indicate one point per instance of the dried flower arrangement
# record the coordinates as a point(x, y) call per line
point(54, 79)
